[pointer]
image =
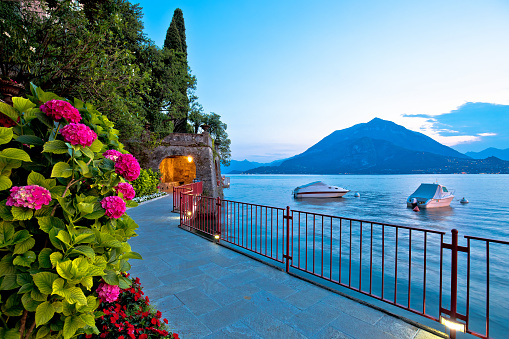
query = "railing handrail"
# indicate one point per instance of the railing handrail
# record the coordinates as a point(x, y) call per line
point(224, 213)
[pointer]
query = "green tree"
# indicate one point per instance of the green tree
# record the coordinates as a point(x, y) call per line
point(217, 130)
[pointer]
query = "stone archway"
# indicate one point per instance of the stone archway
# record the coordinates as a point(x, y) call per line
point(177, 170)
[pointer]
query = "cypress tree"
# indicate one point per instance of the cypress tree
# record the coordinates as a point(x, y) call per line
point(173, 40)
point(178, 17)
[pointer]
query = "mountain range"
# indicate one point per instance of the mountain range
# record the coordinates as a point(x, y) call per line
point(490, 152)
point(380, 147)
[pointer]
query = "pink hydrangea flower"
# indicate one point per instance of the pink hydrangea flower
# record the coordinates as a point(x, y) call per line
point(78, 134)
point(31, 196)
point(108, 293)
point(128, 167)
point(112, 154)
point(126, 189)
point(114, 206)
point(58, 109)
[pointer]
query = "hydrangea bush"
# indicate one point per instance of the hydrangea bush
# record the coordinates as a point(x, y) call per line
point(63, 229)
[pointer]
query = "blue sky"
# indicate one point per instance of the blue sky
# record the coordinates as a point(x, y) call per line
point(284, 74)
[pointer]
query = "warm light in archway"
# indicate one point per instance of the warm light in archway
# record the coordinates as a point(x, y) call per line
point(189, 158)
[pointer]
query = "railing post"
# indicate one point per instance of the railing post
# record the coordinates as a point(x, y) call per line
point(181, 210)
point(287, 256)
point(218, 218)
point(454, 278)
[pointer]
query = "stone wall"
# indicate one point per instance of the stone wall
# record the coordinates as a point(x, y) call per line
point(199, 146)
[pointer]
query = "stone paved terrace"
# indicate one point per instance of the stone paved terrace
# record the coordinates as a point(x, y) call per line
point(209, 291)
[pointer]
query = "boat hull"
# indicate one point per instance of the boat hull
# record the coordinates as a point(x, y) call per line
point(432, 203)
point(320, 194)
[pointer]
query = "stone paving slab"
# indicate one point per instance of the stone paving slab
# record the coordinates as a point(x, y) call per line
point(208, 291)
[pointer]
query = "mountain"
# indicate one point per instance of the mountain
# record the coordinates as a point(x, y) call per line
point(380, 147)
point(490, 152)
point(237, 166)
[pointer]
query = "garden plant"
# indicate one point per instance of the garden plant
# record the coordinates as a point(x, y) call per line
point(64, 189)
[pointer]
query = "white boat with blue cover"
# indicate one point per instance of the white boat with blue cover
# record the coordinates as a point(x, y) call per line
point(319, 189)
point(430, 196)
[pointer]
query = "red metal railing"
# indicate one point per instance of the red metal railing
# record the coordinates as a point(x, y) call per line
point(412, 268)
point(195, 188)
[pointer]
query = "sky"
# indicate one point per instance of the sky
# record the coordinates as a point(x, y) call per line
point(284, 74)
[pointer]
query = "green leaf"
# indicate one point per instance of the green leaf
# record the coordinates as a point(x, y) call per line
point(9, 111)
point(44, 313)
point(83, 166)
point(64, 237)
point(5, 135)
point(20, 236)
point(48, 222)
point(71, 325)
point(55, 258)
point(25, 259)
point(30, 140)
point(44, 119)
point(110, 277)
point(35, 178)
point(9, 282)
point(43, 332)
point(84, 238)
point(29, 303)
point(5, 183)
point(55, 146)
point(13, 306)
point(44, 258)
point(22, 213)
point(44, 281)
point(85, 250)
point(12, 333)
point(123, 282)
point(61, 170)
point(131, 255)
point(131, 203)
point(15, 154)
point(31, 114)
point(24, 246)
point(88, 282)
point(88, 152)
point(6, 232)
point(64, 269)
point(37, 295)
point(96, 214)
point(96, 146)
point(85, 208)
point(22, 104)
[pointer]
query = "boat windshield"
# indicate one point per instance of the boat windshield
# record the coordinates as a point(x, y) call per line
point(444, 189)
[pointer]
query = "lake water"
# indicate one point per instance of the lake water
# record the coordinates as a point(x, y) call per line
point(383, 199)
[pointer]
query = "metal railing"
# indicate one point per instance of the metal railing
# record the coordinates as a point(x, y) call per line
point(196, 188)
point(412, 268)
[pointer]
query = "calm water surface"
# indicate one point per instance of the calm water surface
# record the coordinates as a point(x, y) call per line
point(383, 199)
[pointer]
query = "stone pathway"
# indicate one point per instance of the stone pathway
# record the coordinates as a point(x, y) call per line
point(208, 291)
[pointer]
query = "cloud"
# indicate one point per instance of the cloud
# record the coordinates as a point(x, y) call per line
point(473, 126)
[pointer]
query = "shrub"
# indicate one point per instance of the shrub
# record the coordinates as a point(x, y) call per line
point(131, 317)
point(146, 183)
point(57, 242)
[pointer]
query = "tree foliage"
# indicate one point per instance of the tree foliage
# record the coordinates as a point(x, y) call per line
point(218, 133)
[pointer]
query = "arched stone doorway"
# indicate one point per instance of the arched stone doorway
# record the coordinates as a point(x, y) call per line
point(177, 170)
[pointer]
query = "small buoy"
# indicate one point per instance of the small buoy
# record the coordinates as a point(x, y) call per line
point(416, 209)
point(464, 201)
point(357, 195)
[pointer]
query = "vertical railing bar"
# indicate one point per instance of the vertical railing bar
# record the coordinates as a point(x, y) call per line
point(314, 231)
point(396, 268)
point(271, 226)
point(424, 279)
point(292, 239)
point(251, 225)
point(371, 261)
point(487, 289)
point(360, 259)
point(306, 266)
point(340, 246)
point(298, 236)
point(277, 234)
point(321, 261)
point(350, 258)
point(441, 272)
point(468, 281)
point(383, 259)
point(409, 264)
point(330, 250)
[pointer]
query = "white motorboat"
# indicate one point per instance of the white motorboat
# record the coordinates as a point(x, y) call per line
point(430, 196)
point(319, 189)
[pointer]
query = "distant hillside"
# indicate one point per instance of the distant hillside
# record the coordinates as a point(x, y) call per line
point(382, 147)
point(490, 152)
point(245, 165)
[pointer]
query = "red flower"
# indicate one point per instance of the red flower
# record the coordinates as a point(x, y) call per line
point(143, 336)
point(121, 337)
point(158, 314)
point(165, 320)
point(88, 336)
point(175, 336)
